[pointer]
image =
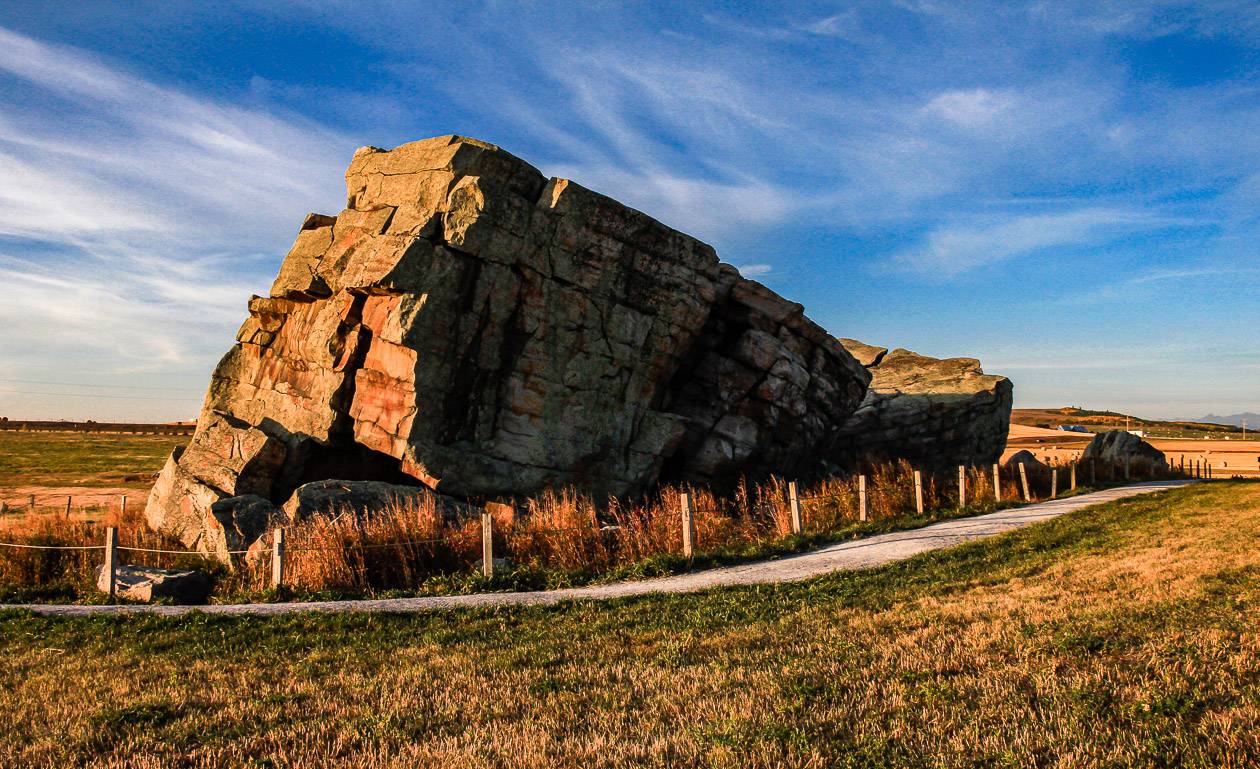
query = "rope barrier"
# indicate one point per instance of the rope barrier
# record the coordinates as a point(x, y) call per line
point(52, 547)
point(172, 552)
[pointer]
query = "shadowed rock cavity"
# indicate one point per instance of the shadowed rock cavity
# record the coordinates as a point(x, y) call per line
point(467, 325)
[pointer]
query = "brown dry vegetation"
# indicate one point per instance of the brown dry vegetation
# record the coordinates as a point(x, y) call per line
point(556, 539)
point(1121, 635)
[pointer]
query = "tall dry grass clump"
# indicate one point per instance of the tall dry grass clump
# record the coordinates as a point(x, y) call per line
point(398, 547)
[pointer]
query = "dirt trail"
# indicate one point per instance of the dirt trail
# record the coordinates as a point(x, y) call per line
point(855, 554)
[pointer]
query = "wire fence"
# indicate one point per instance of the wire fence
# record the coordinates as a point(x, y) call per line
point(402, 547)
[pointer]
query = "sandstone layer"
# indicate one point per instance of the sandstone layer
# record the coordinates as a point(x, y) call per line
point(932, 412)
point(472, 326)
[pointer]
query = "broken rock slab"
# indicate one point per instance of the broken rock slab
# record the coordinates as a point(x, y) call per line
point(934, 413)
point(149, 583)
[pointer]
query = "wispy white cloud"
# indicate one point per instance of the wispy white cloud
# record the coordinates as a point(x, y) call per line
point(956, 248)
point(970, 108)
point(133, 230)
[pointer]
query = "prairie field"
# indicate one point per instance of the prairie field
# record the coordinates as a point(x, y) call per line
point(1120, 635)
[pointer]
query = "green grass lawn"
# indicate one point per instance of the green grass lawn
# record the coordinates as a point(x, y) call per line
point(1122, 635)
point(82, 459)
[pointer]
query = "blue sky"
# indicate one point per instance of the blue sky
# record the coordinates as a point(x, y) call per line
point(1066, 191)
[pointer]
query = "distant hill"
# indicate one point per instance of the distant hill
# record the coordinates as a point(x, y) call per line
point(1253, 420)
point(1097, 421)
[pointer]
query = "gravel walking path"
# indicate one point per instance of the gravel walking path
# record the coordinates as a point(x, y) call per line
point(853, 554)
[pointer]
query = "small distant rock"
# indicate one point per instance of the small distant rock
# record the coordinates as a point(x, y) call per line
point(1114, 446)
point(1025, 457)
point(149, 583)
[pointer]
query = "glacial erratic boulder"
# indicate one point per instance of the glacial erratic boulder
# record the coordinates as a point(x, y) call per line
point(931, 412)
point(1114, 447)
point(469, 325)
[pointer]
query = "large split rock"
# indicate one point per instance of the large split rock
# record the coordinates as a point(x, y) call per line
point(931, 412)
point(469, 325)
point(1114, 447)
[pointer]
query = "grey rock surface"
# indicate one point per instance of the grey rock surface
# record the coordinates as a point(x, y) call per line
point(932, 412)
point(149, 583)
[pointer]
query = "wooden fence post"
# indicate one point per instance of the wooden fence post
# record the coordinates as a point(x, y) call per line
point(68, 499)
point(1054, 483)
point(487, 545)
point(794, 503)
point(962, 486)
point(1023, 479)
point(861, 497)
point(918, 492)
point(1073, 476)
point(111, 561)
point(997, 482)
point(277, 558)
point(122, 506)
point(32, 503)
point(688, 525)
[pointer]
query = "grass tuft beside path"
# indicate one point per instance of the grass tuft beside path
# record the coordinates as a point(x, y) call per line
point(1125, 634)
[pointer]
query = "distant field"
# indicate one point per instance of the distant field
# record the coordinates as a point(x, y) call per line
point(49, 459)
point(1227, 457)
point(1098, 421)
point(1124, 635)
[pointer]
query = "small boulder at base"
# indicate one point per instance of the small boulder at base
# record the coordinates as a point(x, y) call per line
point(149, 583)
point(1114, 446)
point(1026, 458)
point(333, 497)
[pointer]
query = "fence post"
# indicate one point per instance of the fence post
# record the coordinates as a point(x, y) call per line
point(111, 561)
point(688, 525)
point(861, 497)
point(962, 486)
point(487, 545)
point(1073, 476)
point(794, 502)
point(1054, 483)
point(277, 558)
point(918, 492)
point(997, 482)
point(32, 503)
point(122, 505)
point(68, 498)
point(1023, 479)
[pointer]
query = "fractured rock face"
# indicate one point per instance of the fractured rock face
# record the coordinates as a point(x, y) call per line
point(470, 325)
point(928, 411)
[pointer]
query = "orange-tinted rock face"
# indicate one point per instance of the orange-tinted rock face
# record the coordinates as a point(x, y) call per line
point(470, 325)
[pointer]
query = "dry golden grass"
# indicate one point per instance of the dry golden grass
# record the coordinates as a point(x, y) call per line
point(554, 539)
point(1124, 635)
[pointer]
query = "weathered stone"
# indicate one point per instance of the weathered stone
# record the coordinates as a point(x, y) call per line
point(236, 523)
point(867, 354)
point(361, 498)
point(470, 325)
point(149, 583)
point(1027, 459)
point(1115, 446)
point(933, 413)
